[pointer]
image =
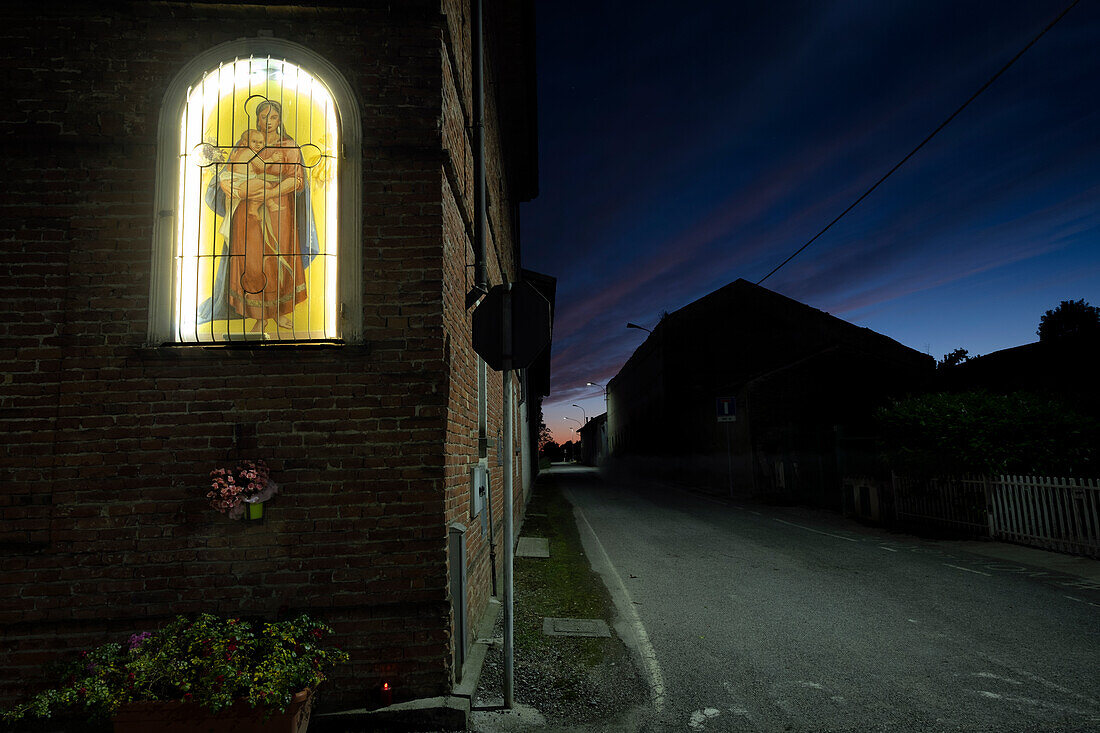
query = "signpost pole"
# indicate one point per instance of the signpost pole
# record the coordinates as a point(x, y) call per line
point(729, 459)
point(509, 641)
point(505, 348)
point(726, 408)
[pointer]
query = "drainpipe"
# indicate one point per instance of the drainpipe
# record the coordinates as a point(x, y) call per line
point(481, 271)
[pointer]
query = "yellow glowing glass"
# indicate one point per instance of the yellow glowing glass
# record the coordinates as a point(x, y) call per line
point(255, 241)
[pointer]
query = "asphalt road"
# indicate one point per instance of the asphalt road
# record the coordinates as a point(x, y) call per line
point(749, 618)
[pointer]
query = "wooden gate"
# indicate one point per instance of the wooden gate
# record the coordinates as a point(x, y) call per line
point(956, 504)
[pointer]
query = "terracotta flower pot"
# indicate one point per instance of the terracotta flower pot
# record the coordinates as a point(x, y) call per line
point(180, 717)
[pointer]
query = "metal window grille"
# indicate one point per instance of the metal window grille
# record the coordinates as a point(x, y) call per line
point(255, 246)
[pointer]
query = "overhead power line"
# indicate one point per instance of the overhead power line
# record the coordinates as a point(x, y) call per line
point(925, 140)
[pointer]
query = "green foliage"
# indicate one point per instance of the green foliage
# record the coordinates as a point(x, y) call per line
point(978, 432)
point(210, 661)
point(1070, 318)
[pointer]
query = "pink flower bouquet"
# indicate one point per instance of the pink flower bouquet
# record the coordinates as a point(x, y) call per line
point(249, 483)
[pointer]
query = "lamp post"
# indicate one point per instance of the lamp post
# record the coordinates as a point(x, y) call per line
point(604, 387)
point(574, 432)
point(583, 413)
point(640, 328)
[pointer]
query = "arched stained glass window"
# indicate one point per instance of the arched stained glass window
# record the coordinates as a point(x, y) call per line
point(257, 211)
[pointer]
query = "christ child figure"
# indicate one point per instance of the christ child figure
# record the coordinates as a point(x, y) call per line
point(256, 179)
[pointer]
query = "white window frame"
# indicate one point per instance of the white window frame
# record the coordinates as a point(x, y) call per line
point(349, 182)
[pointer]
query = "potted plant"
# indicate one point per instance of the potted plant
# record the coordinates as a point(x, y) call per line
point(201, 674)
point(241, 491)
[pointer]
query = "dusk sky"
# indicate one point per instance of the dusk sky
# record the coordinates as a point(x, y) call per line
point(685, 145)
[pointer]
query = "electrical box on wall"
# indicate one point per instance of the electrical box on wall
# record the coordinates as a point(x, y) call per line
point(479, 489)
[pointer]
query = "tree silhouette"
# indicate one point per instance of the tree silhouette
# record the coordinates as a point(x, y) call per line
point(551, 451)
point(1070, 318)
point(956, 357)
point(545, 436)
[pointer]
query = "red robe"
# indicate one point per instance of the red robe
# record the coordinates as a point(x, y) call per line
point(266, 277)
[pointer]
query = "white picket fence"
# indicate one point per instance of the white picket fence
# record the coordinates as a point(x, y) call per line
point(1056, 513)
point(1060, 514)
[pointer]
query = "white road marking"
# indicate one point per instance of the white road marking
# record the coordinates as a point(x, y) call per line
point(976, 572)
point(1082, 600)
point(759, 514)
point(912, 621)
point(814, 685)
point(990, 675)
point(837, 698)
point(987, 693)
point(645, 648)
point(785, 706)
point(1041, 704)
point(888, 549)
point(699, 718)
point(818, 531)
point(1040, 680)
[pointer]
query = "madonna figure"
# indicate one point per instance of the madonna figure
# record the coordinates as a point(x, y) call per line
point(270, 237)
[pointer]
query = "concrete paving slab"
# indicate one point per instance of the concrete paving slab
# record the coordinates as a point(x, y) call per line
point(533, 547)
point(575, 627)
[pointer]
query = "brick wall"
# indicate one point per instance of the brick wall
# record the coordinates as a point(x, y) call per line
point(109, 442)
point(501, 253)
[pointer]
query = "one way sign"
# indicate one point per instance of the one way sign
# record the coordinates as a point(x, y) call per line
point(727, 409)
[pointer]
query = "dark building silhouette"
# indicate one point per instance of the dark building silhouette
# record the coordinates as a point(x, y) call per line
point(594, 441)
point(1064, 368)
point(803, 386)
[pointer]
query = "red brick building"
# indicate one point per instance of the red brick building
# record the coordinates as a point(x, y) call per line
point(161, 319)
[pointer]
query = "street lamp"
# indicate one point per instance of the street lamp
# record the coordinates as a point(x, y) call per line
point(574, 420)
point(602, 386)
point(641, 328)
point(583, 413)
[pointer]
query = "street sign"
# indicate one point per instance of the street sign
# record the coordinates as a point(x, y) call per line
point(530, 326)
point(727, 409)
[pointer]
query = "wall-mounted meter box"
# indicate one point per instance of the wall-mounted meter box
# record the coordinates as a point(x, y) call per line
point(479, 489)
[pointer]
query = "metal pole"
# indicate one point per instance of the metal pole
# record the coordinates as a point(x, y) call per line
point(481, 268)
point(729, 458)
point(509, 647)
point(492, 533)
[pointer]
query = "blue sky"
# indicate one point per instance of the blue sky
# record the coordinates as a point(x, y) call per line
point(685, 145)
